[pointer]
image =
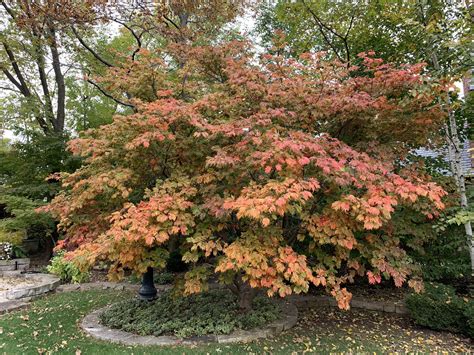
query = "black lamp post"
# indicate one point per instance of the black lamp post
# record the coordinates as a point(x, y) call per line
point(147, 291)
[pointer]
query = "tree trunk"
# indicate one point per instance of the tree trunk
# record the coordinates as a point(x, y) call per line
point(455, 148)
point(61, 86)
point(245, 299)
point(245, 294)
point(454, 152)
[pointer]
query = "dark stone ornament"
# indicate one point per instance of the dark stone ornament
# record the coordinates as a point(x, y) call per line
point(147, 290)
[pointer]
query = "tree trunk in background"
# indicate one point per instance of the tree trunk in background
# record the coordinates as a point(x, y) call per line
point(455, 148)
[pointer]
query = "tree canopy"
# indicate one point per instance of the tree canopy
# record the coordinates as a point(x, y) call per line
point(246, 174)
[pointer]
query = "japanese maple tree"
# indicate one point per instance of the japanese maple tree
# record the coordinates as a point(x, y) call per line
point(244, 174)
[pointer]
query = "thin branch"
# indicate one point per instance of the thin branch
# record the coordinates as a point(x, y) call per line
point(10, 89)
point(346, 36)
point(8, 9)
point(93, 52)
point(321, 27)
point(137, 37)
point(106, 94)
point(172, 22)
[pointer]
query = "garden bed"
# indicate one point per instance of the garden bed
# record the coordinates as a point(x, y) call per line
point(204, 318)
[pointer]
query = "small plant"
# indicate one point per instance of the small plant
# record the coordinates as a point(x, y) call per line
point(440, 308)
point(213, 312)
point(66, 270)
point(6, 251)
point(10, 251)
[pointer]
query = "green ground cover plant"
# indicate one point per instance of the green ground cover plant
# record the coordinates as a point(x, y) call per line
point(213, 312)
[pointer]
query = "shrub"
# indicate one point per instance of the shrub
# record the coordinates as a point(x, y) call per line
point(21, 220)
point(214, 312)
point(440, 308)
point(66, 270)
point(164, 278)
point(469, 314)
point(15, 238)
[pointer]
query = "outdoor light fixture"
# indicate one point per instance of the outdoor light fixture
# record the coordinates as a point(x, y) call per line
point(147, 290)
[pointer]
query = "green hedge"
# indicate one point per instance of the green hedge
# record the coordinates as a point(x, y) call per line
point(440, 308)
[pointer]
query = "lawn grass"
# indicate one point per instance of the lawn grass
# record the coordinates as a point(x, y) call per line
point(50, 325)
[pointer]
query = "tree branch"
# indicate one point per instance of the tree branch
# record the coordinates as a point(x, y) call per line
point(106, 94)
point(93, 52)
point(137, 37)
point(23, 87)
point(8, 9)
point(172, 22)
point(321, 27)
point(59, 78)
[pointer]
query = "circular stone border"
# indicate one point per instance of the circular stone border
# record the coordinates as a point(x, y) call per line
point(91, 325)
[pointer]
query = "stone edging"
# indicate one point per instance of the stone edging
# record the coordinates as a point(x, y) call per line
point(14, 264)
point(9, 306)
point(46, 284)
point(17, 298)
point(310, 301)
point(104, 285)
point(91, 325)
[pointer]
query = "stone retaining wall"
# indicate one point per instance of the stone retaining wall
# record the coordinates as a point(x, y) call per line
point(45, 283)
point(14, 264)
point(310, 301)
point(16, 298)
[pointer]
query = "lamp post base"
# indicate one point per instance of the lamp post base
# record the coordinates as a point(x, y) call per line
point(147, 290)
